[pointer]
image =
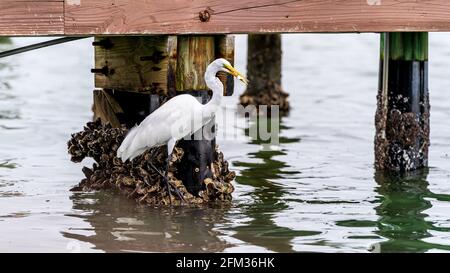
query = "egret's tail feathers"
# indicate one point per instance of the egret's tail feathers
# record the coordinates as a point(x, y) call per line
point(126, 143)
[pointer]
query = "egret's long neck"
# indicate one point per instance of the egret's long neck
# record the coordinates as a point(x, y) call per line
point(216, 87)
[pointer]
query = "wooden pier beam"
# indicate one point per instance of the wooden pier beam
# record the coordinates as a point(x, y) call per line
point(403, 111)
point(264, 72)
point(155, 17)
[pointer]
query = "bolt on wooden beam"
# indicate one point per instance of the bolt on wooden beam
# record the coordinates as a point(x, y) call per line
point(403, 110)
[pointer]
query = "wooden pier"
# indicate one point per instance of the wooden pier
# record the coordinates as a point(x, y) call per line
point(153, 64)
point(139, 17)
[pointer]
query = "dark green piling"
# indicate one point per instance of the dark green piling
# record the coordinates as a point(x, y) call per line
point(403, 110)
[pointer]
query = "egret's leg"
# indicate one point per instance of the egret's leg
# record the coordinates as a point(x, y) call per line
point(170, 146)
point(152, 154)
point(164, 177)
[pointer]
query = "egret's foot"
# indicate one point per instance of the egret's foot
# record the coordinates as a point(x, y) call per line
point(169, 186)
point(178, 193)
point(166, 180)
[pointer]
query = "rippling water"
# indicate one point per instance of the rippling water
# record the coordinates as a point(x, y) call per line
point(317, 191)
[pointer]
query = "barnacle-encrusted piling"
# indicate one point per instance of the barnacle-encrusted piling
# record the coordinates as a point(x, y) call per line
point(264, 73)
point(194, 54)
point(403, 112)
point(137, 179)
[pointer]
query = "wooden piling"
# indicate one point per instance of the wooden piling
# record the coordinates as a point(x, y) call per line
point(131, 77)
point(403, 111)
point(224, 48)
point(264, 72)
point(194, 54)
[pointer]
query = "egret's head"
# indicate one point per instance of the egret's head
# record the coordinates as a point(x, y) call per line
point(225, 66)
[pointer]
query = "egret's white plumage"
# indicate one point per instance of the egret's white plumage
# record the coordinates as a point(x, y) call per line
point(181, 116)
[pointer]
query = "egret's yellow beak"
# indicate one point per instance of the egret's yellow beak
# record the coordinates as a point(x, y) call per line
point(236, 73)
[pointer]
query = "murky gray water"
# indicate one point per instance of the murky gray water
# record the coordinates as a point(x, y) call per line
point(317, 192)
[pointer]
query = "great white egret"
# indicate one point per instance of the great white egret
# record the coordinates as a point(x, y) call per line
point(179, 117)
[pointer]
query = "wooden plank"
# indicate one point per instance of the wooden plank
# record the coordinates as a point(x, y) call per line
point(31, 18)
point(122, 17)
point(251, 16)
point(135, 64)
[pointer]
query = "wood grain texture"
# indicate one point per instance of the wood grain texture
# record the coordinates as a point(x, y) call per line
point(122, 17)
point(135, 64)
point(31, 18)
point(172, 67)
point(106, 108)
point(194, 54)
point(252, 16)
point(224, 48)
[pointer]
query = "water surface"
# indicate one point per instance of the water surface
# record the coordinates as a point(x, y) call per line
point(316, 191)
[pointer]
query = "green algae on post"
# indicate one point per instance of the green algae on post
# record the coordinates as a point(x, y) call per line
point(403, 111)
point(407, 46)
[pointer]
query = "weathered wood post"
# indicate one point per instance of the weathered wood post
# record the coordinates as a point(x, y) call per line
point(194, 54)
point(131, 77)
point(264, 72)
point(403, 111)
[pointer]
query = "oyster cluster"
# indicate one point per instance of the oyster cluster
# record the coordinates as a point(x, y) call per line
point(137, 179)
point(274, 95)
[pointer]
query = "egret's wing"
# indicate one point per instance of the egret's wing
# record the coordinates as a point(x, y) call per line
point(126, 142)
point(174, 121)
point(170, 121)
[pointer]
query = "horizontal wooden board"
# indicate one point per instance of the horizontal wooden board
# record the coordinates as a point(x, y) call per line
point(252, 16)
point(122, 17)
point(31, 18)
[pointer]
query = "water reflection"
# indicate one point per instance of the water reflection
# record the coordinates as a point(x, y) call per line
point(402, 213)
point(4, 44)
point(119, 225)
point(267, 197)
point(5, 40)
point(7, 164)
point(34, 163)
